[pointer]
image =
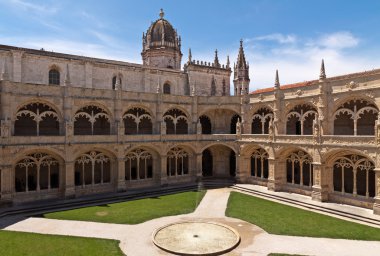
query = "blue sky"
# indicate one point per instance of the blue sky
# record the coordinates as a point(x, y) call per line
point(289, 35)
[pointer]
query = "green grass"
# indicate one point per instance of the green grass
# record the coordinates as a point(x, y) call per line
point(20, 243)
point(282, 219)
point(134, 212)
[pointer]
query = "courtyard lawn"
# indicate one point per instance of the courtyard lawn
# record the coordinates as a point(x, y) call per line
point(20, 243)
point(134, 212)
point(280, 219)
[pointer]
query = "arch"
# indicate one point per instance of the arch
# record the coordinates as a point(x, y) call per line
point(220, 160)
point(207, 163)
point(177, 162)
point(167, 88)
point(299, 168)
point(54, 75)
point(92, 120)
point(206, 124)
point(261, 120)
point(259, 163)
point(35, 119)
point(355, 117)
point(235, 118)
point(300, 120)
point(176, 121)
point(137, 121)
point(354, 174)
point(138, 164)
point(37, 171)
point(91, 168)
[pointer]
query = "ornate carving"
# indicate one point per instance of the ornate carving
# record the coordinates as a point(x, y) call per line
point(351, 85)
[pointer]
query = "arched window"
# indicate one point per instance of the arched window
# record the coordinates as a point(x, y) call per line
point(138, 165)
point(92, 168)
point(299, 168)
point(177, 162)
point(234, 121)
point(300, 120)
point(213, 87)
point(259, 163)
point(206, 124)
point(166, 88)
point(355, 175)
point(114, 79)
point(261, 120)
point(91, 120)
point(36, 119)
point(137, 121)
point(355, 117)
point(176, 122)
point(54, 76)
point(35, 172)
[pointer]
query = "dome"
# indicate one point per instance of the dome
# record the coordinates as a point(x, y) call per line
point(162, 26)
point(159, 29)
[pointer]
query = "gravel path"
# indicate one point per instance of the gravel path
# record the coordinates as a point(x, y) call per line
point(136, 240)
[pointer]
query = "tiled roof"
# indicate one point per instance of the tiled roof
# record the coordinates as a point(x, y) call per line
point(311, 82)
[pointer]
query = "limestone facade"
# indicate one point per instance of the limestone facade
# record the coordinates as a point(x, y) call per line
point(73, 125)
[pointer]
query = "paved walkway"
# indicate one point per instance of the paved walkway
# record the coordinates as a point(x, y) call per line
point(135, 240)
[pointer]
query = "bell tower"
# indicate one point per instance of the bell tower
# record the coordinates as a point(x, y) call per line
point(241, 73)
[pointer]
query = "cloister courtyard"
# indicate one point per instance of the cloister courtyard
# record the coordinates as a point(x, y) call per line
point(265, 227)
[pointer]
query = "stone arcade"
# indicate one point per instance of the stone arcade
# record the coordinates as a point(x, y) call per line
point(73, 125)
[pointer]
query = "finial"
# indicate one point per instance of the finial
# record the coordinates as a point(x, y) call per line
point(228, 62)
point(322, 74)
point(241, 43)
point(190, 56)
point(162, 13)
point(67, 80)
point(277, 81)
point(216, 60)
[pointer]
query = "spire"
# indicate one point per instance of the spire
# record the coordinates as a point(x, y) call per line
point(4, 73)
point(216, 59)
point(322, 74)
point(190, 56)
point(162, 13)
point(67, 81)
point(228, 62)
point(277, 81)
point(241, 63)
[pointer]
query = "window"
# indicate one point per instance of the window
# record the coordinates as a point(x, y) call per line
point(114, 82)
point(166, 88)
point(54, 77)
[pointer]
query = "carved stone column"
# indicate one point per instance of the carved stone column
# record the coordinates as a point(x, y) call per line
point(376, 205)
point(277, 174)
point(320, 190)
point(199, 166)
point(121, 185)
point(7, 183)
point(69, 169)
point(164, 176)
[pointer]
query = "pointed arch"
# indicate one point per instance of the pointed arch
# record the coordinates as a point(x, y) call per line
point(176, 121)
point(355, 117)
point(36, 119)
point(261, 120)
point(137, 121)
point(300, 120)
point(177, 162)
point(91, 120)
point(299, 168)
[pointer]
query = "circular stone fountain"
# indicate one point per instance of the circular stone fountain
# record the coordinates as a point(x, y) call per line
point(196, 238)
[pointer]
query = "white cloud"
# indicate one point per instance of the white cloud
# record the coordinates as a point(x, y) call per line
point(338, 40)
point(277, 37)
point(300, 60)
point(28, 6)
